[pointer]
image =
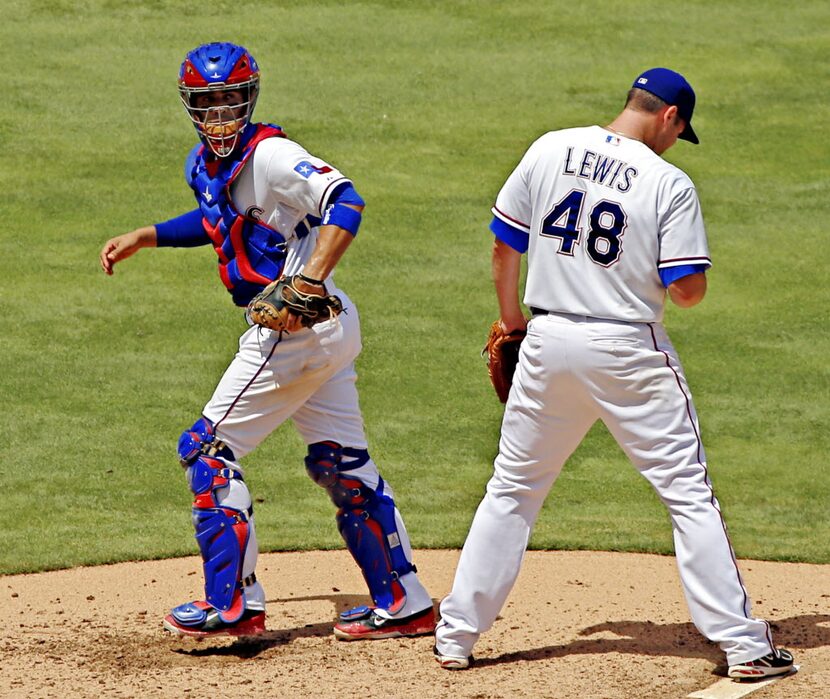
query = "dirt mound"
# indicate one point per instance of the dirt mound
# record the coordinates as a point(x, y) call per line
point(578, 624)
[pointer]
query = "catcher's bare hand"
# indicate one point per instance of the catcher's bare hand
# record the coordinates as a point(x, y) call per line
point(123, 246)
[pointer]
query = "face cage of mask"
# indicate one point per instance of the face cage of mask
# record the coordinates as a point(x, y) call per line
point(219, 126)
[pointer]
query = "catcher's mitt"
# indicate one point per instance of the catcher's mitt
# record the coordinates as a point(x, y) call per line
point(502, 352)
point(271, 307)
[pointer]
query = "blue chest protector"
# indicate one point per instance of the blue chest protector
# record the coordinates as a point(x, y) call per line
point(251, 253)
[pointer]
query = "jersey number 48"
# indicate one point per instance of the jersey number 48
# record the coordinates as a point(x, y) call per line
point(606, 226)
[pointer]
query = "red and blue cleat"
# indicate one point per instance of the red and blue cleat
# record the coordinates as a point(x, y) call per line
point(200, 620)
point(365, 623)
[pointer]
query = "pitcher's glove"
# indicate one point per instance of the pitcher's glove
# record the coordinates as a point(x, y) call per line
point(272, 307)
point(502, 352)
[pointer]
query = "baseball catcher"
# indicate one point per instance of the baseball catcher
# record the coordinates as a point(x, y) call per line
point(279, 219)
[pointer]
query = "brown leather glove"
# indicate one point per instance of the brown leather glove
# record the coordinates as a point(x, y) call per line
point(502, 352)
point(272, 306)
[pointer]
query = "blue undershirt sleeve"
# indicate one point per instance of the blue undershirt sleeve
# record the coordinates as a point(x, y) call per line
point(514, 237)
point(346, 194)
point(672, 274)
point(185, 231)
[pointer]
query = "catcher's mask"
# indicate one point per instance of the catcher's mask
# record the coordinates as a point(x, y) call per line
point(219, 85)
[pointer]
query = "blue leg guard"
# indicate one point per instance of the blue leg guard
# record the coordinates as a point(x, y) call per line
point(366, 520)
point(222, 532)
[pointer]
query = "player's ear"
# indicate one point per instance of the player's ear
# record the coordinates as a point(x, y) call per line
point(669, 116)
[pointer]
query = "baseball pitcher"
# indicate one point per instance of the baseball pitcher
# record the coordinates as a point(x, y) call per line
point(610, 230)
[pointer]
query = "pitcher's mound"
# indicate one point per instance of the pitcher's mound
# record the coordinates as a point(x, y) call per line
point(578, 625)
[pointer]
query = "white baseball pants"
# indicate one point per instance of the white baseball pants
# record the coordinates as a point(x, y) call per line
point(309, 377)
point(574, 370)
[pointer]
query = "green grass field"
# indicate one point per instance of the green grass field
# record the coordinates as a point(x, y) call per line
point(427, 106)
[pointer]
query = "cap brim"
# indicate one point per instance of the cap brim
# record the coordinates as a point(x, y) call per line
point(689, 134)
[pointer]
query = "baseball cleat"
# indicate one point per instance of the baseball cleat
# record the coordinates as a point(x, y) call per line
point(372, 626)
point(451, 662)
point(200, 620)
point(770, 665)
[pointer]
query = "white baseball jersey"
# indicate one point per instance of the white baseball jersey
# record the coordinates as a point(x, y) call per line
point(587, 198)
point(282, 184)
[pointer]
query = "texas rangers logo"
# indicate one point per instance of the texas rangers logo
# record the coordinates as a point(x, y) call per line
point(307, 169)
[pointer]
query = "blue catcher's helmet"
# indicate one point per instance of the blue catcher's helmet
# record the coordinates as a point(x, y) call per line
point(219, 85)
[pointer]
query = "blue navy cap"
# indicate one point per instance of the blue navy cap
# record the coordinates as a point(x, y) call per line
point(673, 89)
